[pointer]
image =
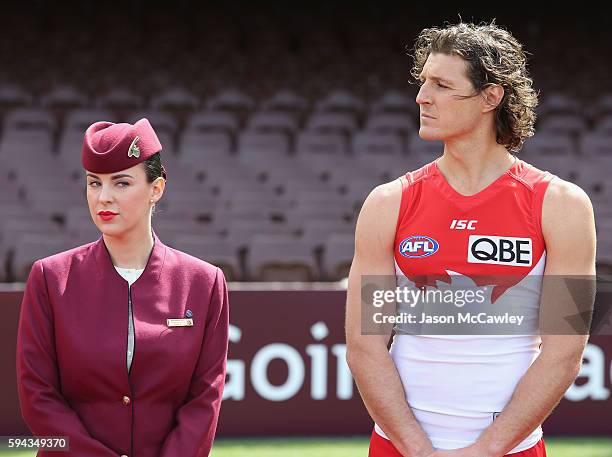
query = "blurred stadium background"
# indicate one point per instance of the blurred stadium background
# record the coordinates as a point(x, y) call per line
point(276, 120)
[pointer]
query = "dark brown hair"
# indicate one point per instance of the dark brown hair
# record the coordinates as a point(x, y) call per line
point(154, 168)
point(493, 56)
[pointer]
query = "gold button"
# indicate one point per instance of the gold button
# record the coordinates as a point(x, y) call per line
point(126, 401)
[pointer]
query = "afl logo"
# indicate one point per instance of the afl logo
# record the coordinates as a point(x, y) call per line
point(418, 246)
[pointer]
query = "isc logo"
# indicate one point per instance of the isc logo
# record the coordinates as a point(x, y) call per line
point(418, 246)
point(500, 250)
point(460, 224)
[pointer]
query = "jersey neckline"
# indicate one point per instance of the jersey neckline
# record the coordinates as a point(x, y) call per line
point(453, 193)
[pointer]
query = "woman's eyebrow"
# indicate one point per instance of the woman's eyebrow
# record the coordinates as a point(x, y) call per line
point(114, 177)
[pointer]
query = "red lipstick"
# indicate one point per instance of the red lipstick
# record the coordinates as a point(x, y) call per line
point(106, 215)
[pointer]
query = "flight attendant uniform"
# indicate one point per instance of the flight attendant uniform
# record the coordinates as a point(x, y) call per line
point(123, 363)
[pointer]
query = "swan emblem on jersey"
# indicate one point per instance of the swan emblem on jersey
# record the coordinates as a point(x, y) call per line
point(418, 246)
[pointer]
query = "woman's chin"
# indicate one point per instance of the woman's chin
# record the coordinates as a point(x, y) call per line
point(109, 230)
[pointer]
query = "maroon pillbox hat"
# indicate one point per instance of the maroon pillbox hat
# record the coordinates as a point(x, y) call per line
point(110, 147)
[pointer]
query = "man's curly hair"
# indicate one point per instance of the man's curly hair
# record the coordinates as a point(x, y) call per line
point(493, 55)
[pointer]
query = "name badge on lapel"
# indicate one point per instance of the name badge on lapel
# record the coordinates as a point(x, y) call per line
point(179, 322)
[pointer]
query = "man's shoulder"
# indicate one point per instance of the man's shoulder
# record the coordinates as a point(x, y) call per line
point(561, 193)
point(386, 193)
point(566, 208)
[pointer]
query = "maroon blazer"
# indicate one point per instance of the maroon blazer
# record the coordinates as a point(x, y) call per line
point(71, 353)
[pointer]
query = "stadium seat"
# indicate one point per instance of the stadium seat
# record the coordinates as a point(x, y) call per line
point(562, 124)
point(21, 150)
point(4, 260)
point(54, 201)
point(315, 231)
point(119, 99)
point(394, 101)
point(199, 148)
point(14, 96)
point(357, 191)
point(31, 247)
point(292, 187)
point(548, 143)
point(248, 205)
point(604, 245)
point(273, 121)
point(268, 142)
point(594, 177)
point(188, 201)
point(301, 145)
point(321, 153)
point(596, 144)
point(566, 167)
point(424, 151)
point(64, 97)
point(29, 120)
point(393, 122)
point(341, 101)
point(78, 120)
point(84, 235)
point(603, 125)
point(602, 106)
point(239, 231)
point(280, 258)
point(558, 103)
point(213, 249)
point(161, 121)
point(380, 152)
point(316, 143)
point(217, 174)
point(336, 209)
point(285, 100)
point(232, 100)
point(212, 121)
point(174, 98)
point(24, 220)
point(77, 217)
point(338, 251)
point(332, 122)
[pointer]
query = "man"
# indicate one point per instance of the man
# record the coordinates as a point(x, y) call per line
point(468, 396)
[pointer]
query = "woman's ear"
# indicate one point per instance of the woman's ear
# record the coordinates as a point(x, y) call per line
point(157, 189)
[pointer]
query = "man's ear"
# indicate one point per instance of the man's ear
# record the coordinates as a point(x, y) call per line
point(493, 94)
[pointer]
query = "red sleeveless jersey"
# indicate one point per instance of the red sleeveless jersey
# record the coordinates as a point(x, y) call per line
point(496, 232)
point(457, 384)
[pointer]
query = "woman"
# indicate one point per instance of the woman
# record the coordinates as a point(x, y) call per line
point(122, 343)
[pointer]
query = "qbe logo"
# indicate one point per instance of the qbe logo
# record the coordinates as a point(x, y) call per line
point(500, 250)
point(418, 246)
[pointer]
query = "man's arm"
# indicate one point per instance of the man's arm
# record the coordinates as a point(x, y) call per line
point(568, 226)
point(367, 355)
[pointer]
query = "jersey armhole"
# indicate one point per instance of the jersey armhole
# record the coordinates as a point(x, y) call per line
point(406, 181)
point(540, 193)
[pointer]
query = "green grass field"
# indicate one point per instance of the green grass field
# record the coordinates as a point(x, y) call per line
point(358, 447)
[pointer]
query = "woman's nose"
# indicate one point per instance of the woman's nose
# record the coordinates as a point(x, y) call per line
point(105, 194)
